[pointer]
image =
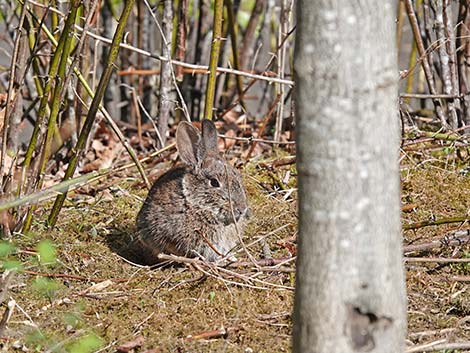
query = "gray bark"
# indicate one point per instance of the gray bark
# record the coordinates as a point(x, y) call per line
point(166, 104)
point(350, 293)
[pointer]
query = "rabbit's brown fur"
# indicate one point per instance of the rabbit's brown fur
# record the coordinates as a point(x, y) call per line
point(190, 209)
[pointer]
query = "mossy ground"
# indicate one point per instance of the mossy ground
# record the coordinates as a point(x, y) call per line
point(95, 290)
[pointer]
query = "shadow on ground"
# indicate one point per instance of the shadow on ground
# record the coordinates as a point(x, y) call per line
point(122, 241)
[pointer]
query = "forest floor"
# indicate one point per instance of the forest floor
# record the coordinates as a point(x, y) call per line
point(93, 289)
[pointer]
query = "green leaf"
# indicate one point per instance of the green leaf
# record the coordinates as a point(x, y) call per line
point(86, 344)
point(12, 265)
point(46, 252)
point(73, 319)
point(45, 286)
point(35, 338)
point(243, 18)
point(211, 296)
point(6, 249)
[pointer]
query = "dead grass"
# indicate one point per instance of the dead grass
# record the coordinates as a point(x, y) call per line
point(438, 305)
point(96, 289)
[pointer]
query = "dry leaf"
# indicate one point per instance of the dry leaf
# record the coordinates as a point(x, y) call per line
point(227, 143)
point(128, 346)
point(98, 287)
point(105, 148)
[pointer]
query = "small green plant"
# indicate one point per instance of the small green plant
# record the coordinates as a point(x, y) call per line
point(46, 252)
point(36, 340)
point(46, 287)
point(39, 340)
point(6, 249)
point(85, 344)
point(8, 260)
point(211, 295)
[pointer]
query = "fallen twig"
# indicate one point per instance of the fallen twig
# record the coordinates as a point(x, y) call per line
point(267, 264)
point(442, 260)
point(214, 270)
point(456, 239)
point(7, 315)
point(284, 161)
point(431, 332)
point(219, 333)
point(460, 278)
point(439, 345)
point(436, 222)
point(430, 96)
point(238, 264)
point(130, 345)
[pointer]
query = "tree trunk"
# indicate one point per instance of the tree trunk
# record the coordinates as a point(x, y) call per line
point(165, 104)
point(350, 294)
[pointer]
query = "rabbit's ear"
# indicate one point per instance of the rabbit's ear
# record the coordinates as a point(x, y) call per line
point(209, 136)
point(189, 146)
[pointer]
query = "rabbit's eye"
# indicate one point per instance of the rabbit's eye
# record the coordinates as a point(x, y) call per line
point(214, 182)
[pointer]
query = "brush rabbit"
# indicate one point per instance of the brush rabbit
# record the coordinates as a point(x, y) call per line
point(191, 210)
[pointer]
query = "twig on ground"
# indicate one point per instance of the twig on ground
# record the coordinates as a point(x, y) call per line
point(436, 222)
point(268, 265)
point(219, 333)
point(213, 270)
point(431, 332)
point(430, 96)
point(7, 315)
point(438, 345)
point(442, 260)
point(409, 207)
point(130, 345)
point(289, 160)
point(456, 239)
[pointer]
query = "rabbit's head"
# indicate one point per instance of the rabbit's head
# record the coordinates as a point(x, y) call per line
point(212, 184)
